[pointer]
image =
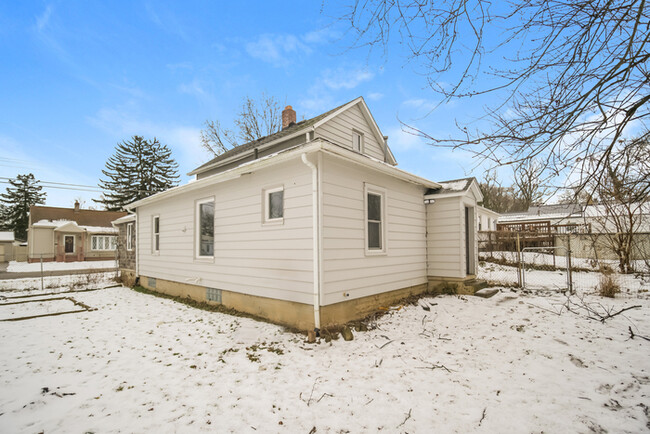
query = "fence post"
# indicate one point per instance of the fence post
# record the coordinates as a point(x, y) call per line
point(41, 271)
point(570, 272)
point(518, 262)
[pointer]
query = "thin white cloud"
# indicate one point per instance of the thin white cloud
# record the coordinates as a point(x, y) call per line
point(43, 20)
point(184, 140)
point(277, 50)
point(345, 78)
point(375, 96)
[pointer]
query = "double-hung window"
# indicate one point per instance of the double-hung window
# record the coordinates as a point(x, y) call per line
point(205, 228)
point(156, 234)
point(375, 198)
point(129, 236)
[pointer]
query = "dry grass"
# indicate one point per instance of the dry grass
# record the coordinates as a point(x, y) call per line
point(608, 286)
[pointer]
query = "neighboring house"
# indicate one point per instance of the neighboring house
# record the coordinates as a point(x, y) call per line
point(487, 219)
point(71, 234)
point(308, 227)
point(6, 246)
point(593, 228)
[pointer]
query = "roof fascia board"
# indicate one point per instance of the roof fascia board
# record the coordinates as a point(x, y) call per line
point(369, 162)
point(249, 151)
point(282, 156)
point(227, 175)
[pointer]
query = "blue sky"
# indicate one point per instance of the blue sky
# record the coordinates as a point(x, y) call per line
point(78, 77)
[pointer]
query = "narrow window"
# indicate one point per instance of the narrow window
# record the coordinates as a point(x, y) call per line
point(357, 141)
point(374, 222)
point(129, 236)
point(156, 233)
point(205, 228)
point(274, 205)
point(68, 242)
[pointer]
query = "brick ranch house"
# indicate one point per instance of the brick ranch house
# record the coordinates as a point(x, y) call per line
point(71, 234)
point(308, 227)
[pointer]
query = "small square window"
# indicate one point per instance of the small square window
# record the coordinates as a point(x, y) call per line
point(274, 205)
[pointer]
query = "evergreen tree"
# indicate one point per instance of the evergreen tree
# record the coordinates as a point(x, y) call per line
point(138, 169)
point(23, 193)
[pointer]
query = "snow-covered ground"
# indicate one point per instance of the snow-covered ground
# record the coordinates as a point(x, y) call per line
point(630, 284)
point(16, 267)
point(539, 258)
point(59, 283)
point(510, 363)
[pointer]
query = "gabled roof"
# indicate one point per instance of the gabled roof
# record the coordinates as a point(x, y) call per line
point(83, 217)
point(285, 133)
point(294, 130)
point(456, 187)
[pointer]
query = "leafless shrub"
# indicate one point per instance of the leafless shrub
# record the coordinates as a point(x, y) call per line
point(608, 286)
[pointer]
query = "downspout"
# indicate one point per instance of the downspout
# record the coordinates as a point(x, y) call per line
point(315, 238)
point(135, 245)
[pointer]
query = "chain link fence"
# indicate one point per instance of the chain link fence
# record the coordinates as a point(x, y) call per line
point(553, 261)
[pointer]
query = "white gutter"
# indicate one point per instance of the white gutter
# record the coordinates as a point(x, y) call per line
point(285, 155)
point(315, 237)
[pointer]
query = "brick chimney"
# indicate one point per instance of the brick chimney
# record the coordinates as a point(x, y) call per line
point(288, 117)
point(76, 206)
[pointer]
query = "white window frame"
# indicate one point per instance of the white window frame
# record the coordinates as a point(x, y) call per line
point(357, 134)
point(197, 229)
point(155, 236)
point(381, 192)
point(74, 244)
point(106, 241)
point(129, 236)
point(266, 209)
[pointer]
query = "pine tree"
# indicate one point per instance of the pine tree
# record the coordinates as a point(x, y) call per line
point(138, 169)
point(23, 193)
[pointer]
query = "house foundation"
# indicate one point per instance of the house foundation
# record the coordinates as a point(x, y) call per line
point(291, 314)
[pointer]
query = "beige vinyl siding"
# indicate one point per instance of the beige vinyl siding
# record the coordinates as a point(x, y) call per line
point(339, 130)
point(445, 238)
point(41, 241)
point(346, 267)
point(268, 260)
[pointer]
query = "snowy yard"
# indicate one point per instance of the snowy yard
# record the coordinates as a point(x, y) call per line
point(19, 267)
point(510, 363)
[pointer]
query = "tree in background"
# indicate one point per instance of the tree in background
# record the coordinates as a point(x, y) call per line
point(255, 119)
point(528, 183)
point(624, 197)
point(137, 169)
point(567, 77)
point(23, 193)
point(495, 196)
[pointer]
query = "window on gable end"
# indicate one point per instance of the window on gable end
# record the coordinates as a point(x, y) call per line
point(357, 141)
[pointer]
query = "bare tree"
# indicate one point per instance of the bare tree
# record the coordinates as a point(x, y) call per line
point(624, 201)
point(255, 119)
point(495, 196)
point(567, 76)
point(528, 183)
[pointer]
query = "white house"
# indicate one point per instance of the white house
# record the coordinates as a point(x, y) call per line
point(308, 227)
point(487, 219)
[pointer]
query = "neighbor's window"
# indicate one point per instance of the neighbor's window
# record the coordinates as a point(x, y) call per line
point(205, 228)
point(274, 204)
point(357, 141)
point(129, 236)
point(103, 242)
point(156, 233)
point(68, 243)
point(375, 219)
